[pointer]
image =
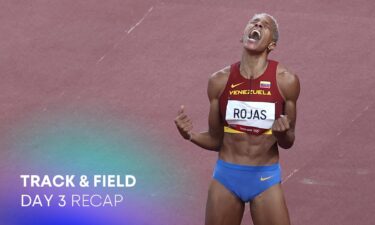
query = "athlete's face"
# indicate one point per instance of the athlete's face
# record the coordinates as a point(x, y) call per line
point(258, 34)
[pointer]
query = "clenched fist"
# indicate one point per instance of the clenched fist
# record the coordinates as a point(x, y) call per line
point(281, 125)
point(184, 124)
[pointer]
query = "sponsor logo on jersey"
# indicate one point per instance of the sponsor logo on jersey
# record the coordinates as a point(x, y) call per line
point(235, 85)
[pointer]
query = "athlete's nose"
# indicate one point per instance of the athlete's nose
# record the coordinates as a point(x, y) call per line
point(258, 25)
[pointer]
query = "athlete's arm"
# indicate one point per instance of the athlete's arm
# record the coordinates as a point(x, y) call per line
point(284, 127)
point(211, 139)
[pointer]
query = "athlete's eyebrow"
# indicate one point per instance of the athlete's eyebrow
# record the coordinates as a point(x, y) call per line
point(254, 20)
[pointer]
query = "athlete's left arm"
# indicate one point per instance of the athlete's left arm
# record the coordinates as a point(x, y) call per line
point(284, 127)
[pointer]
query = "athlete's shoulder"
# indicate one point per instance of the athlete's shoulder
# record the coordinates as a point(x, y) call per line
point(288, 82)
point(220, 75)
point(286, 74)
point(218, 81)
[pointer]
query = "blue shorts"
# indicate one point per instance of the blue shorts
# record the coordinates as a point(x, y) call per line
point(246, 182)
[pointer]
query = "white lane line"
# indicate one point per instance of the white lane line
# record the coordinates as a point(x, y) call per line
point(355, 118)
point(290, 175)
point(141, 20)
point(127, 32)
point(339, 133)
point(101, 58)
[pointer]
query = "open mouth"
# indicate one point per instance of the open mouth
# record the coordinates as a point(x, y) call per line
point(255, 35)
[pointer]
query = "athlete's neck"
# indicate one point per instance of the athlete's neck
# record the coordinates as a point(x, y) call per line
point(253, 65)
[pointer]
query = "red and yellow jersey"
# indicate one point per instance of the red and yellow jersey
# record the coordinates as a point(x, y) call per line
point(251, 105)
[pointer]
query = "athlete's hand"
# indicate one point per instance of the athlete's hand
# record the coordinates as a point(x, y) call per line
point(281, 126)
point(184, 124)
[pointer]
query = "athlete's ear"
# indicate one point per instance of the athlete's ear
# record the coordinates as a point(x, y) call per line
point(271, 46)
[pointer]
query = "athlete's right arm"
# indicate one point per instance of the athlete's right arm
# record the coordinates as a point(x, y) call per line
point(211, 139)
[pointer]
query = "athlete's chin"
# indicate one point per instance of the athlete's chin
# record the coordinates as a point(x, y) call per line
point(253, 49)
point(251, 46)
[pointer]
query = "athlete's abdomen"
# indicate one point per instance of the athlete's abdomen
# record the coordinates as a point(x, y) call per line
point(249, 149)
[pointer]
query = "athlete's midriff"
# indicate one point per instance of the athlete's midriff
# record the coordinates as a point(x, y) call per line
point(248, 108)
point(249, 149)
